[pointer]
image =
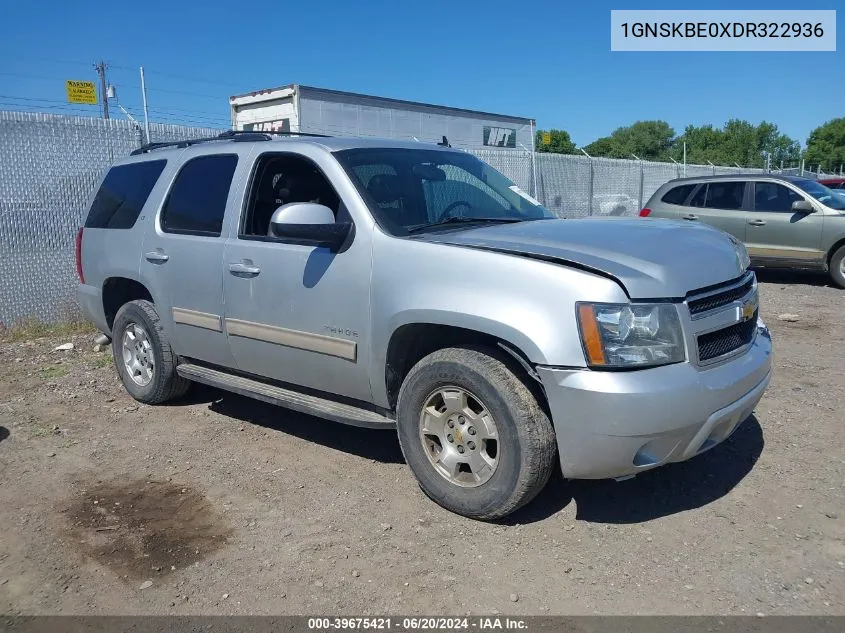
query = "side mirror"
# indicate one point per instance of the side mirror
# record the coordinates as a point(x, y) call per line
point(309, 223)
point(803, 206)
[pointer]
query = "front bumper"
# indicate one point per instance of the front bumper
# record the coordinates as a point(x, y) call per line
point(616, 424)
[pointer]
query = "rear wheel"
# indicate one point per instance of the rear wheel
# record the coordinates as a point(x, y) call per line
point(837, 267)
point(143, 356)
point(473, 434)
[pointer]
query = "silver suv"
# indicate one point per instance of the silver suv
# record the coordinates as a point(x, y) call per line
point(392, 284)
point(784, 221)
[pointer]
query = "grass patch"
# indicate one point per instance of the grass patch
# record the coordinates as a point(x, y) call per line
point(41, 431)
point(68, 443)
point(29, 329)
point(103, 360)
point(53, 372)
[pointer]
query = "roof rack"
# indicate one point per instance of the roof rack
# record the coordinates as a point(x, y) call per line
point(233, 135)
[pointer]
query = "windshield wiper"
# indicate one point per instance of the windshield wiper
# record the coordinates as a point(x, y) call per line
point(460, 220)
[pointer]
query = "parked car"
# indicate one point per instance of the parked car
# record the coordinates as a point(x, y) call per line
point(833, 183)
point(389, 284)
point(784, 221)
point(615, 204)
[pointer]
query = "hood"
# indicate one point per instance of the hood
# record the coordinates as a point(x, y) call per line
point(651, 258)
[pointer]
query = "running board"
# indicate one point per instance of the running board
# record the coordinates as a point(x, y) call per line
point(312, 405)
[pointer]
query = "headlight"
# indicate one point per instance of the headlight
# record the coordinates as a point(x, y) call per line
point(630, 335)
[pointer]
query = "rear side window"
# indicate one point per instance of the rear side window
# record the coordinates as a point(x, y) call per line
point(724, 195)
point(122, 195)
point(698, 198)
point(677, 195)
point(197, 200)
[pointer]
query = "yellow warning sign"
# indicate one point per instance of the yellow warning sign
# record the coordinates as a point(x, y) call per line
point(547, 138)
point(81, 92)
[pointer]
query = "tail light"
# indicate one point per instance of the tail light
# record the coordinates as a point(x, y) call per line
point(645, 213)
point(79, 256)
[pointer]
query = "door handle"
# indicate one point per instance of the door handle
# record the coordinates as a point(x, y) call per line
point(690, 216)
point(757, 222)
point(156, 257)
point(244, 269)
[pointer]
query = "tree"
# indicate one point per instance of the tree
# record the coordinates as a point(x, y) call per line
point(780, 146)
point(560, 143)
point(738, 142)
point(826, 145)
point(649, 140)
point(702, 144)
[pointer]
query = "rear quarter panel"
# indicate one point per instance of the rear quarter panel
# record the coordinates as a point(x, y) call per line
point(108, 253)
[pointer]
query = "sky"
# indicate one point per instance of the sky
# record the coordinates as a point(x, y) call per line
point(546, 60)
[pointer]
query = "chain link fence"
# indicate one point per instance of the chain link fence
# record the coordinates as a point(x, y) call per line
point(50, 164)
point(574, 186)
point(49, 167)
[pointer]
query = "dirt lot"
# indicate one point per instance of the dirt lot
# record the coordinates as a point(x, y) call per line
point(219, 504)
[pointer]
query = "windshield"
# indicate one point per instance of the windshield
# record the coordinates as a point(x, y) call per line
point(821, 193)
point(414, 190)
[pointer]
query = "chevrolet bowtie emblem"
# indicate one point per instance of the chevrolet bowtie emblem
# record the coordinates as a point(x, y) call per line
point(748, 310)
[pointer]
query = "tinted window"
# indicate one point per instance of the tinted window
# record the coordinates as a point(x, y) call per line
point(197, 200)
point(724, 195)
point(678, 195)
point(122, 195)
point(698, 198)
point(770, 196)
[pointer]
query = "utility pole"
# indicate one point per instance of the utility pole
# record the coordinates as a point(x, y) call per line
point(101, 71)
point(146, 114)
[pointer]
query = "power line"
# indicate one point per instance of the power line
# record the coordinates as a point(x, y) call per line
point(48, 107)
point(190, 94)
point(183, 77)
point(51, 60)
point(31, 99)
point(27, 76)
point(156, 89)
point(170, 111)
point(187, 117)
point(189, 78)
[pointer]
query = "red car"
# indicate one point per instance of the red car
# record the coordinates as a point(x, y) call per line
point(833, 183)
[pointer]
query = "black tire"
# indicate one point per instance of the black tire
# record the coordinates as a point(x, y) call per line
point(526, 444)
point(165, 384)
point(836, 272)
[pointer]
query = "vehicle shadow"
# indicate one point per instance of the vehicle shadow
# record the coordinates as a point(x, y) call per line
point(4, 433)
point(783, 276)
point(378, 444)
point(657, 493)
point(653, 494)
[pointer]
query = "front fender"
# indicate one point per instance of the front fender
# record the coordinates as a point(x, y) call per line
point(527, 303)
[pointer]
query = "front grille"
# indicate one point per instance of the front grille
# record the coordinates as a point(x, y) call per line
point(715, 344)
point(697, 306)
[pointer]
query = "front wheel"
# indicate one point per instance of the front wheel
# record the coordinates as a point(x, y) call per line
point(837, 267)
point(473, 434)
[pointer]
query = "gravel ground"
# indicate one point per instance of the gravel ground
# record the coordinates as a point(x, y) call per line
point(219, 504)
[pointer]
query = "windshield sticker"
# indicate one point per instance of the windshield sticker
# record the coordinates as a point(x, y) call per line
point(522, 194)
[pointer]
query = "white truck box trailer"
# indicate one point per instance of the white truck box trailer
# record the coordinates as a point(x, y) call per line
point(298, 108)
